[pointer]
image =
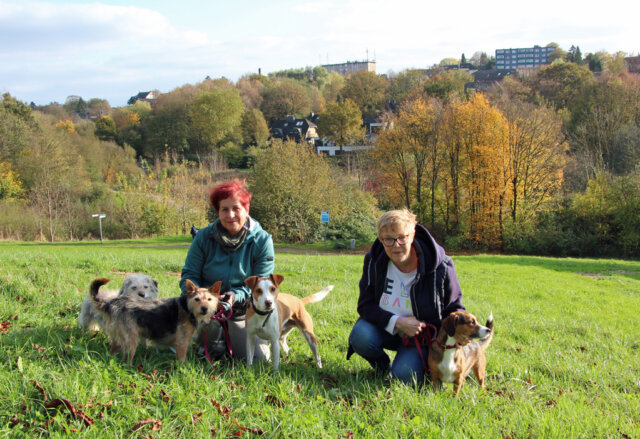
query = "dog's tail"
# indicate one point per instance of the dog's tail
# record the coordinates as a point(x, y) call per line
point(484, 343)
point(95, 287)
point(317, 297)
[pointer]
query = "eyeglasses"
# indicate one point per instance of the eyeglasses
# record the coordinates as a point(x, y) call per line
point(390, 242)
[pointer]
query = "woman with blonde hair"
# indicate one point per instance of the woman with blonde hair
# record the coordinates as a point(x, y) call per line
point(408, 286)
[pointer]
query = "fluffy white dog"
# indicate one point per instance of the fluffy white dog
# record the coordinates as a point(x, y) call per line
point(134, 284)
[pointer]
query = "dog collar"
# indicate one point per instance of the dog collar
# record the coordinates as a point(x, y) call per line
point(445, 347)
point(259, 312)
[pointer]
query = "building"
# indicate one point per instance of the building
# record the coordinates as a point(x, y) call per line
point(300, 130)
point(146, 96)
point(632, 63)
point(483, 80)
point(528, 58)
point(349, 67)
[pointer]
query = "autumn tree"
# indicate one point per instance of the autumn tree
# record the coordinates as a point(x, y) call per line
point(448, 85)
point(285, 98)
point(562, 83)
point(369, 91)
point(407, 150)
point(255, 131)
point(341, 123)
point(477, 136)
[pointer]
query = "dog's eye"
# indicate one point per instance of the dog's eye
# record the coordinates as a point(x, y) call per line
point(272, 289)
point(259, 291)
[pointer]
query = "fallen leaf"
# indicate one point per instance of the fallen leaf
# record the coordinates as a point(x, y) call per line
point(40, 389)
point(155, 427)
point(274, 401)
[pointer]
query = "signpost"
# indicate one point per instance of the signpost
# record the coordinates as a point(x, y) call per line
point(324, 218)
point(99, 216)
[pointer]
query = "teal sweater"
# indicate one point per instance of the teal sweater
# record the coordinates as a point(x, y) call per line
point(207, 262)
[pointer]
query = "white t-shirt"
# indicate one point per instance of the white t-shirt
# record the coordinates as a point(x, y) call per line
point(395, 297)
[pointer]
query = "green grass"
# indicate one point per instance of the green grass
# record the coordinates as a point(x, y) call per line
point(564, 361)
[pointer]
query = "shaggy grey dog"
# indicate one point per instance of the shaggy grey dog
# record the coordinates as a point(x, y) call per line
point(134, 284)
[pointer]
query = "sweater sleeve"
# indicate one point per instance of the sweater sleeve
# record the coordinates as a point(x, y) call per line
point(452, 291)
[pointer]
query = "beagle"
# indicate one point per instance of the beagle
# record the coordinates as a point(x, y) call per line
point(273, 315)
point(458, 349)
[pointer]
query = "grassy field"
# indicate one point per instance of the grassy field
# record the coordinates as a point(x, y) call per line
point(565, 360)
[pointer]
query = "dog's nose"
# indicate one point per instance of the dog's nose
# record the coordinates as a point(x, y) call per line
point(268, 303)
point(204, 310)
point(141, 295)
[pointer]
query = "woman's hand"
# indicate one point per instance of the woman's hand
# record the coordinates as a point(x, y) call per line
point(228, 298)
point(410, 326)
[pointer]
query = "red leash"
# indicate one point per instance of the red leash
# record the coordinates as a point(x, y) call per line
point(222, 319)
point(424, 338)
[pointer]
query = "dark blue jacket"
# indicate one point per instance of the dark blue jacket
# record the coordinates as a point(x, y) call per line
point(434, 295)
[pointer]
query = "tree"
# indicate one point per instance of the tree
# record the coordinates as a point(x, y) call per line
point(106, 129)
point(341, 123)
point(333, 87)
point(10, 184)
point(408, 151)
point(404, 83)
point(98, 107)
point(285, 98)
point(562, 83)
point(291, 185)
point(475, 157)
point(369, 91)
point(255, 131)
point(537, 149)
point(213, 116)
point(575, 55)
point(251, 92)
point(449, 85)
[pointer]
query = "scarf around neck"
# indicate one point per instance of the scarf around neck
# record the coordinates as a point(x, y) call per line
point(228, 242)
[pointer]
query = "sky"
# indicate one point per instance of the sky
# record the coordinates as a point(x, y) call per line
point(114, 49)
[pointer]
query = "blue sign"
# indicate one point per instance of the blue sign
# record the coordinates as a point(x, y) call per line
point(324, 216)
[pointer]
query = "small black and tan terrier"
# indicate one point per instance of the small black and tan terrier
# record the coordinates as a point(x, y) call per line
point(167, 322)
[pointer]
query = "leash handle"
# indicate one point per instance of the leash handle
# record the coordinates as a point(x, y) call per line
point(221, 317)
point(430, 335)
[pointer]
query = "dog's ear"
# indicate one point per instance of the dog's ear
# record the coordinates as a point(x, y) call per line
point(215, 288)
point(190, 287)
point(276, 278)
point(155, 283)
point(251, 281)
point(125, 286)
point(449, 324)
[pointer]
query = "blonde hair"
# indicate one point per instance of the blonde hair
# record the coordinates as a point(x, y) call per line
point(397, 219)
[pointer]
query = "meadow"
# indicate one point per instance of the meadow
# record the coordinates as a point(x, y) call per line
point(564, 361)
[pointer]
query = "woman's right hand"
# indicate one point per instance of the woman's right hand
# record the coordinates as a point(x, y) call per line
point(410, 326)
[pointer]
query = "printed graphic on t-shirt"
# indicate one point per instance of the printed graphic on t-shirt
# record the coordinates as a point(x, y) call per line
point(396, 297)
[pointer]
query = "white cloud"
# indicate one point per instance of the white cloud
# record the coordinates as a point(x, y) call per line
point(50, 49)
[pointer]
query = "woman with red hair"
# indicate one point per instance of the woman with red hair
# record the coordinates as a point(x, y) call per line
point(230, 249)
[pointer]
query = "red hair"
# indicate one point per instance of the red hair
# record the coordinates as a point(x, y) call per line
point(230, 189)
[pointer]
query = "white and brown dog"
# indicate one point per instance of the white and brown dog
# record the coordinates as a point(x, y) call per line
point(134, 284)
point(458, 349)
point(273, 315)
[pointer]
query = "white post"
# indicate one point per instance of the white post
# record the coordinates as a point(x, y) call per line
point(99, 216)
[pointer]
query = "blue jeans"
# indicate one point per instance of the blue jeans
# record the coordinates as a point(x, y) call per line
point(370, 342)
